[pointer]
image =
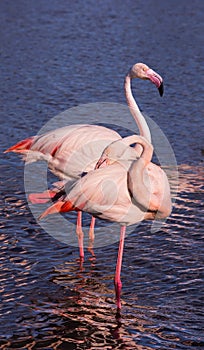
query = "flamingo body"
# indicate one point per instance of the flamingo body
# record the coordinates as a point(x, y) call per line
point(81, 143)
point(125, 190)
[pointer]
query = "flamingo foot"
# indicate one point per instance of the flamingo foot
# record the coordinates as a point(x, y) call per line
point(117, 281)
point(118, 316)
point(91, 243)
point(91, 237)
point(80, 235)
point(81, 246)
point(118, 288)
point(81, 253)
point(80, 260)
point(41, 198)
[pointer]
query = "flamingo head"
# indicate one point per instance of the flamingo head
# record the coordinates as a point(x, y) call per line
point(117, 150)
point(142, 71)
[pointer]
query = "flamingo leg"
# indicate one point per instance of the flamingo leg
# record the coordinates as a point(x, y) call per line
point(80, 235)
point(91, 236)
point(117, 281)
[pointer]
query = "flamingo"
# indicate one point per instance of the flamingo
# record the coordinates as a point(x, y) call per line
point(68, 151)
point(123, 189)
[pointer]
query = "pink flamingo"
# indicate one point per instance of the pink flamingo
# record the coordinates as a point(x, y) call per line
point(124, 189)
point(68, 152)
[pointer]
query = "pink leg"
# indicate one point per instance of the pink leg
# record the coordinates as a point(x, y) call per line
point(118, 283)
point(80, 235)
point(91, 236)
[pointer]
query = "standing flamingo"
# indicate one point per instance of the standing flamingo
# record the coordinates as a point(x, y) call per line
point(124, 189)
point(59, 147)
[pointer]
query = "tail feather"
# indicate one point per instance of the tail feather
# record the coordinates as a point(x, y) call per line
point(68, 206)
point(58, 207)
point(21, 146)
point(53, 209)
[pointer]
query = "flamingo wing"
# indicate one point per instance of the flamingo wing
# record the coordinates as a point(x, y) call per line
point(70, 150)
point(150, 188)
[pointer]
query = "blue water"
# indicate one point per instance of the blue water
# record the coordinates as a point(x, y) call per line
point(56, 55)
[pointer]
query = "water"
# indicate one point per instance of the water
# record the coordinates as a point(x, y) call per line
point(56, 56)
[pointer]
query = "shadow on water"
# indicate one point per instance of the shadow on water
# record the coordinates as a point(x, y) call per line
point(48, 302)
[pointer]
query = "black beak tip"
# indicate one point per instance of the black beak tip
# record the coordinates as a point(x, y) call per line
point(161, 89)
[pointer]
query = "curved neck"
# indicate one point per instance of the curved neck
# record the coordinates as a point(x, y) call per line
point(147, 148)
point(134, 109)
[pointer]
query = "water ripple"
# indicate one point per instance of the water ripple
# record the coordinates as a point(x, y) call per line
point(55, 57)
point(49, 302)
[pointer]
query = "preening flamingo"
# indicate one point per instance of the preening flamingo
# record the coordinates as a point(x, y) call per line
point(124, 189)
point(68, 150)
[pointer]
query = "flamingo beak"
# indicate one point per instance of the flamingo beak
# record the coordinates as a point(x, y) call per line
point(161, 89)
point(101, 163)
point(156, 79)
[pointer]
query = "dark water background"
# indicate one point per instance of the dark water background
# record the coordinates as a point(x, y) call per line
point(59, 54)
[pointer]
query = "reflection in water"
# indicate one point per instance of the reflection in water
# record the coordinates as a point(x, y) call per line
point(191, 179)
point(49, 302)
